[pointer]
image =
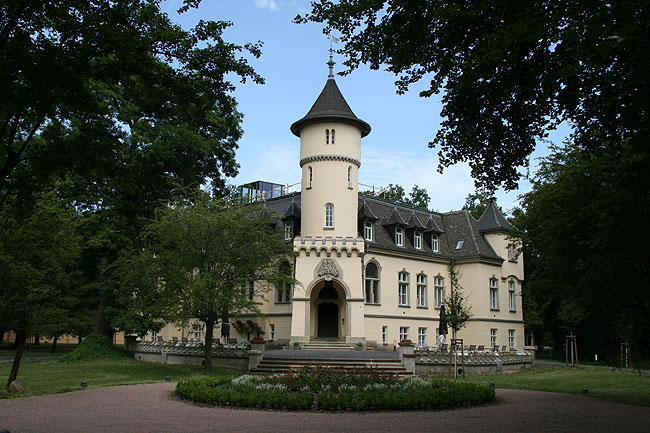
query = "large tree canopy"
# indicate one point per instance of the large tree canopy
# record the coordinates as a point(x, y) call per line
point(509, 71)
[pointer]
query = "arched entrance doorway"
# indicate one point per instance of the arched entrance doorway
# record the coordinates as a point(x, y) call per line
point(328, 313)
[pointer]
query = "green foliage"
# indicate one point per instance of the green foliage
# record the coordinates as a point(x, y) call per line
point(336, 389)
point(586, 250)
point(477, 201)
point(418, 197)
point(198, 257)
point(458, 312)
point(94, 347)
point(509, 71)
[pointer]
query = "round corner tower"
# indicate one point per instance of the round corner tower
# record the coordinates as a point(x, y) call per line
point(330, 157)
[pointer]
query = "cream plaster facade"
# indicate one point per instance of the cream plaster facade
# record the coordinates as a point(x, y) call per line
point(332, 254)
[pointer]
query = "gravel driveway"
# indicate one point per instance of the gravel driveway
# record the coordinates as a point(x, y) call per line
point(150, 408)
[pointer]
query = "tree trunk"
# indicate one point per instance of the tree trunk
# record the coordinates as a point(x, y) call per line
point(207, 357)
point(37, 340)
point(102, 326)
point(19, 336)
point(80, 340)
point(19, 355)
point(56, 338)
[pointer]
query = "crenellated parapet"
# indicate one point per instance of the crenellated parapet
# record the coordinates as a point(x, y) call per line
point(327, 246)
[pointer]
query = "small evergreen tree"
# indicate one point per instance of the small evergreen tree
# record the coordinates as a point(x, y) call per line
point(457, 309)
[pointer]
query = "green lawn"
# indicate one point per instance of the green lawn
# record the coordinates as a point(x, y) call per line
point(51, 376)
point(602, 383)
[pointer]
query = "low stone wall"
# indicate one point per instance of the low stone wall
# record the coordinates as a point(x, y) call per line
point(230, 357)
point(437, 363)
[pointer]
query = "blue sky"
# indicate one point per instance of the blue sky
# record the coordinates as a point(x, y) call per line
point(293, 65)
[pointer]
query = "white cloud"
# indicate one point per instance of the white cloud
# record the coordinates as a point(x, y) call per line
point(267, 4)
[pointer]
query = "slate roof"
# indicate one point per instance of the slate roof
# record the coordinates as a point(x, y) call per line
point(330, 106)
point(451, 227)
point(493, 221)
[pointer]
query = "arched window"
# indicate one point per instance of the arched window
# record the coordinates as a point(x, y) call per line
point(511, 295)
point(350, 176)
point(494, 294)
point(329, 215)
point(435, 243)
point(372, 283)
point(327, 136)
point(399, 237)
point(333, 131)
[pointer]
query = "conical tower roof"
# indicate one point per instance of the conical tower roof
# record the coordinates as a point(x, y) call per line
point(493, 221)
point(330, 107)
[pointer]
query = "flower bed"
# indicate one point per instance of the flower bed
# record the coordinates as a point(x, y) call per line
point(334, 389)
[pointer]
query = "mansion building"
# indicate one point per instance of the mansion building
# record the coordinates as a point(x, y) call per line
point(372, 271)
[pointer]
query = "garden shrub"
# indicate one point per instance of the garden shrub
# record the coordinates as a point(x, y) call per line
point(334, 389)
point(94, 347)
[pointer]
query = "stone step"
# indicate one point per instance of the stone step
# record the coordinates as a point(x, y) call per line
point(283, 365)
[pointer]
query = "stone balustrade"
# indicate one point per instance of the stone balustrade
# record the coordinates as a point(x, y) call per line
point(437, 362)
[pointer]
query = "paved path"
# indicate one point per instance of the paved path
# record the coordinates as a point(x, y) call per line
point(150, 408)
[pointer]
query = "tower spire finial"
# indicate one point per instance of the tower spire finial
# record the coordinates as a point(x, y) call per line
point(331, 62)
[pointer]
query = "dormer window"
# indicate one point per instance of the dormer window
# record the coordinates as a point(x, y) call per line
point(417, 240)
point(367, 231)
point(288, 230)
point(435, 243)
point(329, 215)
point(399, 237)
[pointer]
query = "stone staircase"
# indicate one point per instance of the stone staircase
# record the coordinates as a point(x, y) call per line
point(327, 344)
point(274, 365)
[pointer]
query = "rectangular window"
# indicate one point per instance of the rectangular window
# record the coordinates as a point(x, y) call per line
point(511, 338)
point(511, 295)
point(333, 132)
point(435, 243)
point(288, 230)
point(493, 338)
point(384, 334)
point(403, 289)
point(154, 334)
point(512, 253)
point(439, 290)
point(272, 331)
point(417, 241)
point(251, 290)
point(403, 333)
point(282, 294)
point(196, 332)
point(494, 294)
point(367, 231)
point(327, 136)
point(422, 337)
point(399, 237)
point(422, 290)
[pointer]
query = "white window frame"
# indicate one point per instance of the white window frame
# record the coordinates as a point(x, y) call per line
point(154, 335)
point(512, 253)
point(439, 290)
point(494, 294)
point(403, 333)
point(399, 236)
point(196, 332)
point(403, 289)
point(512, 296)
point(372, 286)
point(511, 338)
point(329, 215)
point(422, 290)
point(417, 240)
point(367, 231)
point(384, 334)
point(272, 331)
point(435, 243)
point(422, 337)
point(493, 338)
point(288, 230)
